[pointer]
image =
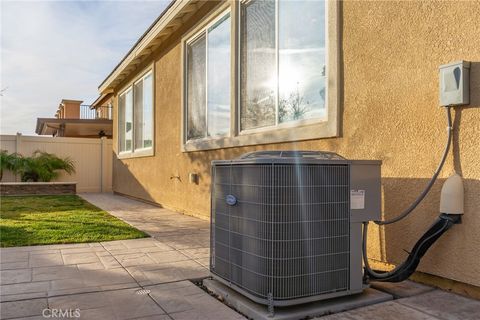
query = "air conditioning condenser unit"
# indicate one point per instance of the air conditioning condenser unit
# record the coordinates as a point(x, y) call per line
point(286, 226)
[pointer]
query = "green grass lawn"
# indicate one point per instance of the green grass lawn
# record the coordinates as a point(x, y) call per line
point(35, 220)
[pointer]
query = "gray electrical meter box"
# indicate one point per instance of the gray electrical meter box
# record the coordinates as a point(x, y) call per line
point(455, 83)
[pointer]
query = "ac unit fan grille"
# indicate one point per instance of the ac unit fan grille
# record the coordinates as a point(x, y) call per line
point(288, 235)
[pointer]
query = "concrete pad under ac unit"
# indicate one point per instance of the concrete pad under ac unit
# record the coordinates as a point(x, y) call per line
point(257, 311)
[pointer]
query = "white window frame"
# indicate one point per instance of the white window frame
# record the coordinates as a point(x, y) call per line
point(120, 142)
point(142, 78)
point(190, 39)
point(288, 124)
point(138, 152)
point(305, 129)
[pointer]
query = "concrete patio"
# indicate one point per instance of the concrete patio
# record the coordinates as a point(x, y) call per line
point(107, 280)
point(149, 278)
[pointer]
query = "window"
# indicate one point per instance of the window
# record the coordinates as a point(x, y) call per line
point(208, 83)
point(143, 107)
point(125, 116)
point(283, 86)
point(258, 83)
point(282, 62)
point(135, 117)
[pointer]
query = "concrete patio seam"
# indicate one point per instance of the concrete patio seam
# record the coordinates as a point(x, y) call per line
point(420, 310)
point(68, 294)
point(140, 286)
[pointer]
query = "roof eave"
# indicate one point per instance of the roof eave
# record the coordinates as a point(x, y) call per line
point(40, 128)
point(101, 99)
point(167, 23)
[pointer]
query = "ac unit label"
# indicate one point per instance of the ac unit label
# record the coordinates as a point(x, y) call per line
point(357, 199)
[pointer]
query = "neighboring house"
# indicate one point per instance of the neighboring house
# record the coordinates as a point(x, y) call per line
point(73, 119)
point(213, 80)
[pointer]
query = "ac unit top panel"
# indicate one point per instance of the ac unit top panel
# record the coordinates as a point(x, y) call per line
point(293, 157)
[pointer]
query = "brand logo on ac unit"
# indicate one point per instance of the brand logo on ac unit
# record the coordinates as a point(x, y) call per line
point(231, 200)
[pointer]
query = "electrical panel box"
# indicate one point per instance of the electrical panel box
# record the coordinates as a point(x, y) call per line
point(455, 83)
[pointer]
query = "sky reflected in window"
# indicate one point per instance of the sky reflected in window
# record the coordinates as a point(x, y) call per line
point(219, 55)
point(301, 60)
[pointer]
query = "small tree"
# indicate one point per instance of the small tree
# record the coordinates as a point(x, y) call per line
point(45, 167)
point(298, 107)
point(293, 107)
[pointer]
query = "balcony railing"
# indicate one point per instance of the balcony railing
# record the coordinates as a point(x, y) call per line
point(103, 112)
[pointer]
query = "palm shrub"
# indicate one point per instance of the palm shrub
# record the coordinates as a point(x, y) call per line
point(10, 162)
point(44, 166)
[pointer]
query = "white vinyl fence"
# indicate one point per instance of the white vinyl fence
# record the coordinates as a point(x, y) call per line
point(92, 158)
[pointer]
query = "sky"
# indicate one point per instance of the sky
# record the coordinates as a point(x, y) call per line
point(54, 50)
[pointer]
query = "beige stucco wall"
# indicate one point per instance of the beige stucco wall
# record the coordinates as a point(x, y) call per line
point(391, 54)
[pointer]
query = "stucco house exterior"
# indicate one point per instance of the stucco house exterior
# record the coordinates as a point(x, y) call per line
point(216, 79)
